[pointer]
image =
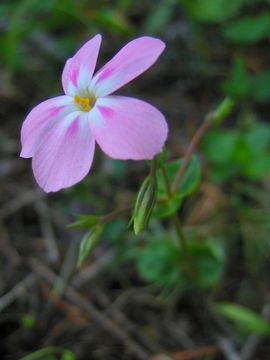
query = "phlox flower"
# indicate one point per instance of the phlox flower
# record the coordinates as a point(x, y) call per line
point(60, 134)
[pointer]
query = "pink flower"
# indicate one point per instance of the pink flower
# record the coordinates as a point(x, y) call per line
point(60, 133)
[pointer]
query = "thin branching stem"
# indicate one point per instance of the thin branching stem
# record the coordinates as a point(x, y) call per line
point(178, 228)
point(214, 117)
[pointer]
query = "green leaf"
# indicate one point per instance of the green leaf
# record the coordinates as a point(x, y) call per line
point(212, 10)
point(158, 262)
point(48, 353)
point(208, 261)
point(188, 184)
point(219, 146)
point(159, 17)
point(112, 20)
point(68, 355)
point(84, 222)
point(20, 22)
point(249, 320)
point(244, 153)
point(88, 243)
point(258, 137)
point(162, 263)
point(261, 87)
point(249, 29)
point(239, 84)
point(256, 162)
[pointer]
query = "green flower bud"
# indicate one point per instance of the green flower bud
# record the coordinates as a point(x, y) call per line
point(144, 204)
point(88, 243)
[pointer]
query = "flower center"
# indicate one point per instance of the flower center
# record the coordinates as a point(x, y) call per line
point(84, 104)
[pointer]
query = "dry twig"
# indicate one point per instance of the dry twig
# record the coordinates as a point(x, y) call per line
point(20, 201)
point(17, 291)
point(107, 324)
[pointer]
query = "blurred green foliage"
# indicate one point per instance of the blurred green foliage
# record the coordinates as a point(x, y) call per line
point(242, 152)
point(162, 262)
point(50, 353)
point(32, 20)
point(28, 321)
point(213, 11)
point(169, 205)
point(249, 29)
point(247, 321)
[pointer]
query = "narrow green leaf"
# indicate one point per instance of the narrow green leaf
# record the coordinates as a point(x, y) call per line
point(159, 17)
point(249, 29)
point(248, 319)
point(260, 86)
point(84, 222)
point(48, 353)
point(239, 84)
point(212, 10)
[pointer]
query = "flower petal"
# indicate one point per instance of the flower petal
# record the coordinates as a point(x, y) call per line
point(40, 119)
point(128, 128)
point(79, 69)
point(65, 156)
point(132, 60)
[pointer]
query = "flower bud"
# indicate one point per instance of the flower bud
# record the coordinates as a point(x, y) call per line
point(144, 204)
point(88, 243)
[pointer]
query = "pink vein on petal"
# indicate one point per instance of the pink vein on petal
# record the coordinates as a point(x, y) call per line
point(74, 76)
point(55, 110)
point(105, 111)
point(105, 74)
point(73, 128)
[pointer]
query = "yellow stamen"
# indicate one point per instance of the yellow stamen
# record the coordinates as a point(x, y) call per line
point(85, 104)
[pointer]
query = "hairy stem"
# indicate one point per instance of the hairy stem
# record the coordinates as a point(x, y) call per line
point(215, 117)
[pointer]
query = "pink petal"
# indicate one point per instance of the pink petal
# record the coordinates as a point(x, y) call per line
point(128, 128)
point(132, 60)
point(40, 119)
point(65, 156)
point(79, 69)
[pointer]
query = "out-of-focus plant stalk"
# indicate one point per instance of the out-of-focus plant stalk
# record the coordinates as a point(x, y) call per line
point(174, 217)
point(114, 215)
point(190, 270)
point(214, 117)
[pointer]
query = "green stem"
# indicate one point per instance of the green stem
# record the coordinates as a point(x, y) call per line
point(188, 267)
point(174, 217)
point(153, 168)
point(114, 214)
point(180, 233)
point(166, 179)
point(214, 117)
